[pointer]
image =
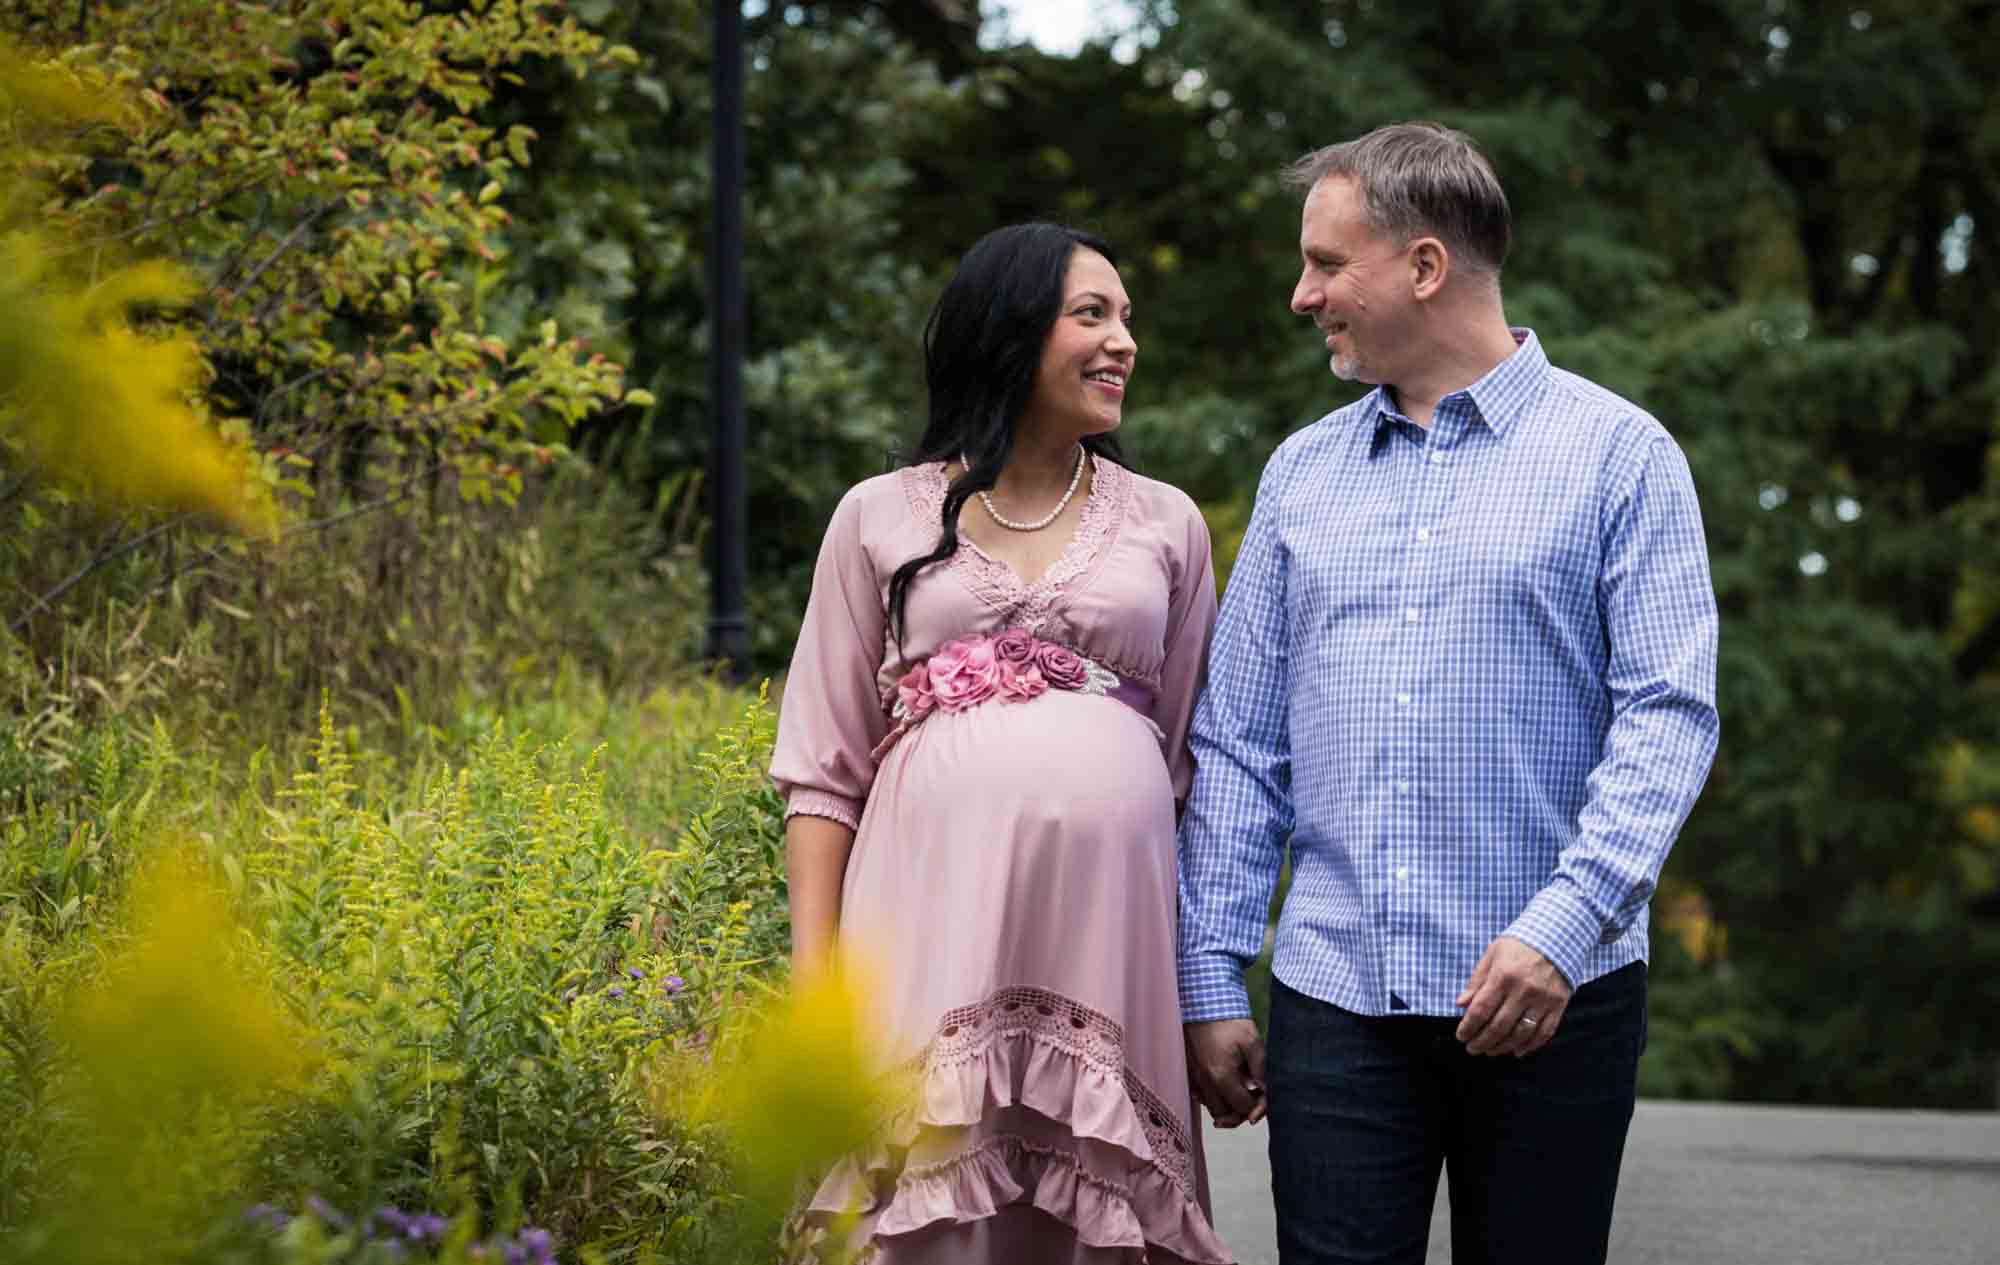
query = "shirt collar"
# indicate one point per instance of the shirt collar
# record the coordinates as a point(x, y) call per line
point(1499, 398)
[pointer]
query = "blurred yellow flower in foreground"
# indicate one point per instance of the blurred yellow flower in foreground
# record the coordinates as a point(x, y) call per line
point(43, 95)
point(176, 1022)
point(796, 1088)
point(91, 401)
point(104, 408)
point(178, 1046)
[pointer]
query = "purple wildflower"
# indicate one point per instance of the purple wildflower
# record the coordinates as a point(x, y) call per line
point(270, 1216)
point(616, 991)
point(672, 984)
point(538, 1245)
point(570, 995)
point(326, 1212)
point(635, 973)
point(428, 1225)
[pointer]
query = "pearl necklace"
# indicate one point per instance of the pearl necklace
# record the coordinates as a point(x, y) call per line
point(1075, 478)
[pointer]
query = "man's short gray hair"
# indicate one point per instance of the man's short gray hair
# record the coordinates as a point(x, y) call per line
point(1421, 179)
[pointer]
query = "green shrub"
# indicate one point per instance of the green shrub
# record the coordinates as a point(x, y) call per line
point(1703, 1022)
point(495, 957)
point(498, 963)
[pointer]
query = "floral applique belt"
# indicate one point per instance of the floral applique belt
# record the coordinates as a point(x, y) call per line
point(1009, 667)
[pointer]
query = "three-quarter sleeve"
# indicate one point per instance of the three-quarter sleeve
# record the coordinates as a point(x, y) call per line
point(832, 717)
point(1190, 625)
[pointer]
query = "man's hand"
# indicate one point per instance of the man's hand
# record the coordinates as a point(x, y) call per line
point(1226, 1060)
point(1514, 1001)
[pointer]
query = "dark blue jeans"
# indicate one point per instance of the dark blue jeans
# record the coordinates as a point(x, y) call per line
point(1363, 1111)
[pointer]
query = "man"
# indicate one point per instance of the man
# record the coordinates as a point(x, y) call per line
point(1466, 668)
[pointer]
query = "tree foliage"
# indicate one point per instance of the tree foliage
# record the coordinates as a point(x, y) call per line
point(90, 401)
point(613, 232)
point(324, 172)
point(1769, 221)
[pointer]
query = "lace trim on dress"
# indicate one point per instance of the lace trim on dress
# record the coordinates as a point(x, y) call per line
point(996, 583)
point(1136, 676)
point(1090, 1037)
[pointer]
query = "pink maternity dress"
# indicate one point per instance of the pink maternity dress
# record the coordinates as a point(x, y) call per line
point(1013, 871)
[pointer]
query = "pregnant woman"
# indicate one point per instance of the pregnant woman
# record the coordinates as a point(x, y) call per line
point(983, 749)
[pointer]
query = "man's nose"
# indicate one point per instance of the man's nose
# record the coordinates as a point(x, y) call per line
point(1305, 297)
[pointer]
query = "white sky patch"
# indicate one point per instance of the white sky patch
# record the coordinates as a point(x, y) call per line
point(1059, 27)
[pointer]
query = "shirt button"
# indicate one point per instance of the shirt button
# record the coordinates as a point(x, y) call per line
point(1402, 700)
point(1410, 614)
point(1403, 787)
point(1402, 873)
point(1423, 533)
point(1437, 458)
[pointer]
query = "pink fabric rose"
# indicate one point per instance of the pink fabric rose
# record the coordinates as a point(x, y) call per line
point(1060, 666)
point(1021, 684)
point(964, 673)
point(915, 693)
point(1016, 646)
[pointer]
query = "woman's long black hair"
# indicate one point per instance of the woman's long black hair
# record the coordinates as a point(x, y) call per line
point(982, 348)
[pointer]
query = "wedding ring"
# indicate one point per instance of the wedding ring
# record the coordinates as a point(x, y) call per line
point(1529, 1021)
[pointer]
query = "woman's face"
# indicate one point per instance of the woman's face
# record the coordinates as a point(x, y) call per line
point(1087, 360)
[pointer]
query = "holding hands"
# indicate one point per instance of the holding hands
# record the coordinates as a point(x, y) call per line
point(1226, 1064)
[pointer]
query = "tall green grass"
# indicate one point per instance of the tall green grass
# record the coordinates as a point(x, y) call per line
point(500, 869)
point(492, 957)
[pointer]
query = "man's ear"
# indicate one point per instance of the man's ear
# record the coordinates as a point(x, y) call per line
point(1430, 266)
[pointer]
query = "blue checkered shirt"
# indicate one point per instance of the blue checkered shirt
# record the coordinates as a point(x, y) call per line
point(1469, 674)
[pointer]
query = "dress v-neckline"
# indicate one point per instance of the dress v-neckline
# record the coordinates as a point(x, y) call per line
point(996, 580)
point(1019, 582)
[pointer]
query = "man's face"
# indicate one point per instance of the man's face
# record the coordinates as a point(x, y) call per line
point(1354, 284)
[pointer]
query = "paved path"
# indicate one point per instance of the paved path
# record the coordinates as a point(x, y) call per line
point(1738, 1185)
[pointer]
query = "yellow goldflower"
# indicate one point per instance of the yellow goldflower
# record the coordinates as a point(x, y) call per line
point(796, 1088)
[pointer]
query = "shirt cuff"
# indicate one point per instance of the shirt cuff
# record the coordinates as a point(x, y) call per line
point(1212, 989)
point(1560, 926)
point(806, 802)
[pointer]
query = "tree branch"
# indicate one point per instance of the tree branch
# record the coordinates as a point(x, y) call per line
point(291, 239)
point(141, 229)
point(403, 492)
point(264, 405)
point(105, 555)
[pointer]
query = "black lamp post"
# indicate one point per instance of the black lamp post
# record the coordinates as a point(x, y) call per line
point(728, 626)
